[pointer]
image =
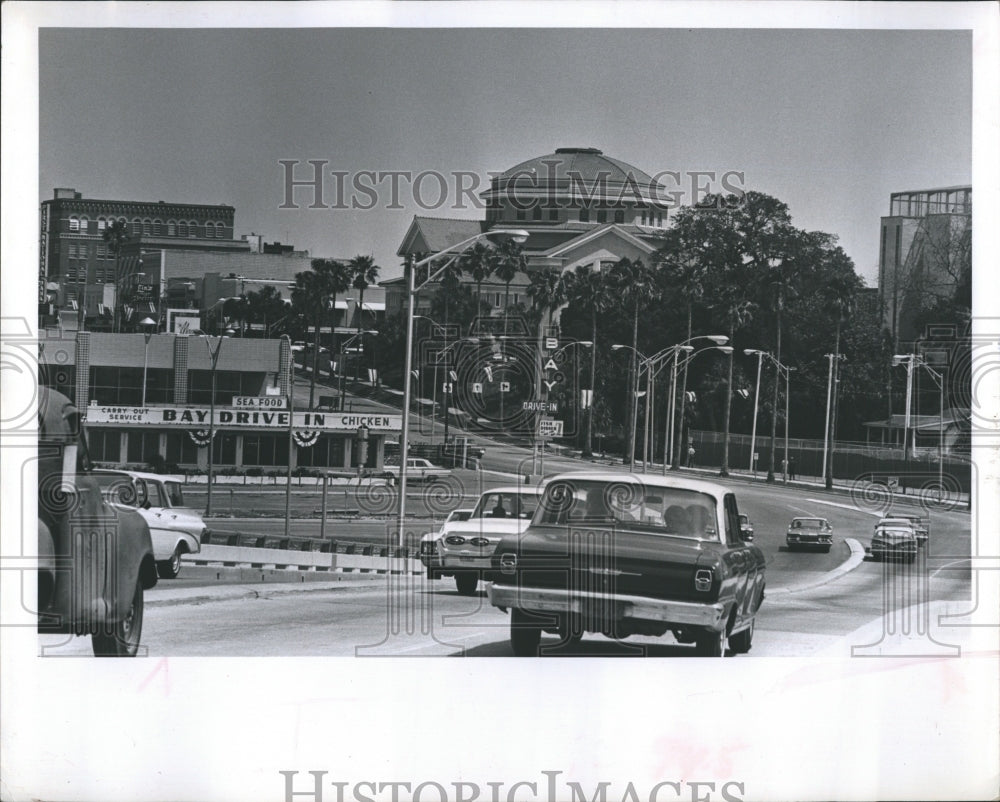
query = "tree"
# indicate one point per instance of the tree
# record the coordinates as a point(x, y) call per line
point(116, 235)
point(633, 281)
point(266, 307)
point(364, 272)
point(509, 260)
point(737, 312)
point(478, 262)
point(315, 292)
point(589, 289)
point(237, 309)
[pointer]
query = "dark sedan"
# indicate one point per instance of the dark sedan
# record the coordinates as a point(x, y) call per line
point(627, 555)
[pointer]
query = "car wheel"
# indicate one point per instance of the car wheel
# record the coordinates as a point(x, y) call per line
point(169, 569)
point(710, 644)
point(826, 549)
point(123, 640)
point(525, 634)
point(466, 583)
point(741, 642)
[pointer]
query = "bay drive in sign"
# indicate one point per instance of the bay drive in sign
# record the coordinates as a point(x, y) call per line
point(198, 418)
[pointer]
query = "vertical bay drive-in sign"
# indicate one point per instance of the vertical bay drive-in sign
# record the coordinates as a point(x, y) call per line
point(236, 418)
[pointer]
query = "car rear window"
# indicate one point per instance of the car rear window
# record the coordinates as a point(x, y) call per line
point(666, 510)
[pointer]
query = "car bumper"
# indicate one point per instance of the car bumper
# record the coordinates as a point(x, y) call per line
point(704, 614)
point(458, 562)
point(798, 540)
point(896, 550)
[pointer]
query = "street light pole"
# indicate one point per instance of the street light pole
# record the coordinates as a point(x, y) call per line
point(517, 235)
point(788, 373)
point(214, 355)
point(826, 426)
point(147, 332)
point(756, 400)
point(288, 470)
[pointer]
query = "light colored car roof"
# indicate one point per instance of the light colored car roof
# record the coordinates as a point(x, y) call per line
point(156, 477)
point(524, 490)
point(646, 480)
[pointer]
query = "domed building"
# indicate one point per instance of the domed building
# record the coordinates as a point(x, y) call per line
point(578, 206)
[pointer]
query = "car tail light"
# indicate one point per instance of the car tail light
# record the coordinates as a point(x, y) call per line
point(479, 541)
point(454, 540)
point(508, 562)
point(703, 579)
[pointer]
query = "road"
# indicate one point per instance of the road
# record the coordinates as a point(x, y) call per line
point(812, 601)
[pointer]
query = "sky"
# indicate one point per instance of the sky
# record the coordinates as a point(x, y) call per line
point(830, 122)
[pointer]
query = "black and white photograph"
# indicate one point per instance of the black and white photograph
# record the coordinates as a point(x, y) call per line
point(655, 343)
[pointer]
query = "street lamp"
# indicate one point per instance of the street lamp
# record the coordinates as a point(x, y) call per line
point(756, 399)
point(917, 360)
point(778, 368)
point(828, 427)
point(500, 234)
point(788, 372)
point(214, 355)
point(148, 326)
point(720, 341)
point(634, 412)
point(340, 363)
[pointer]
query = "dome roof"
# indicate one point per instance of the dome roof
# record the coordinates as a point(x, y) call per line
point(575, 171)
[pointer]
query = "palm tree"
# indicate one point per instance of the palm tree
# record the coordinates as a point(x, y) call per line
point(478, 262)
point(509, 260)
point(116, 235)
point(265, 306)
point(314, 293)
point(589, 288)
point(364, 273)
point(633, 281)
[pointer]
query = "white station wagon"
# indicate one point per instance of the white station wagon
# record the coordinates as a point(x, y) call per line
point(175, 529)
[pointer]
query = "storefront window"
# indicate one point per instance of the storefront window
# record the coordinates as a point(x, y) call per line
point(224, 448)
point(328, 452)
point(143, 446)
point(104, 445)
point(181, 449)
point(265, 449)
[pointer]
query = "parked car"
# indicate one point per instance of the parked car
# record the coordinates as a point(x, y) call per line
point(622, 555)
point(894, 538)
point(921, 526)
point(175, 529)
point(418, 469)
point(429, 554)
point(809, 532)
point(95, 560)
point(746, 527)
point(466, 547)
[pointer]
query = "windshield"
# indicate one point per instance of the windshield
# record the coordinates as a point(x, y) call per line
point(666, 510)
point(117, 488)
point(506, 504)
point(175, 495)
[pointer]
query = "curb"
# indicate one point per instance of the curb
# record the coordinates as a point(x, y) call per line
point(857, 557)
point(234, 585)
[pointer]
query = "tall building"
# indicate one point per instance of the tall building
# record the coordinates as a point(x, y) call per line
point(925, 247)
point(579, 207)
point(78, 267)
